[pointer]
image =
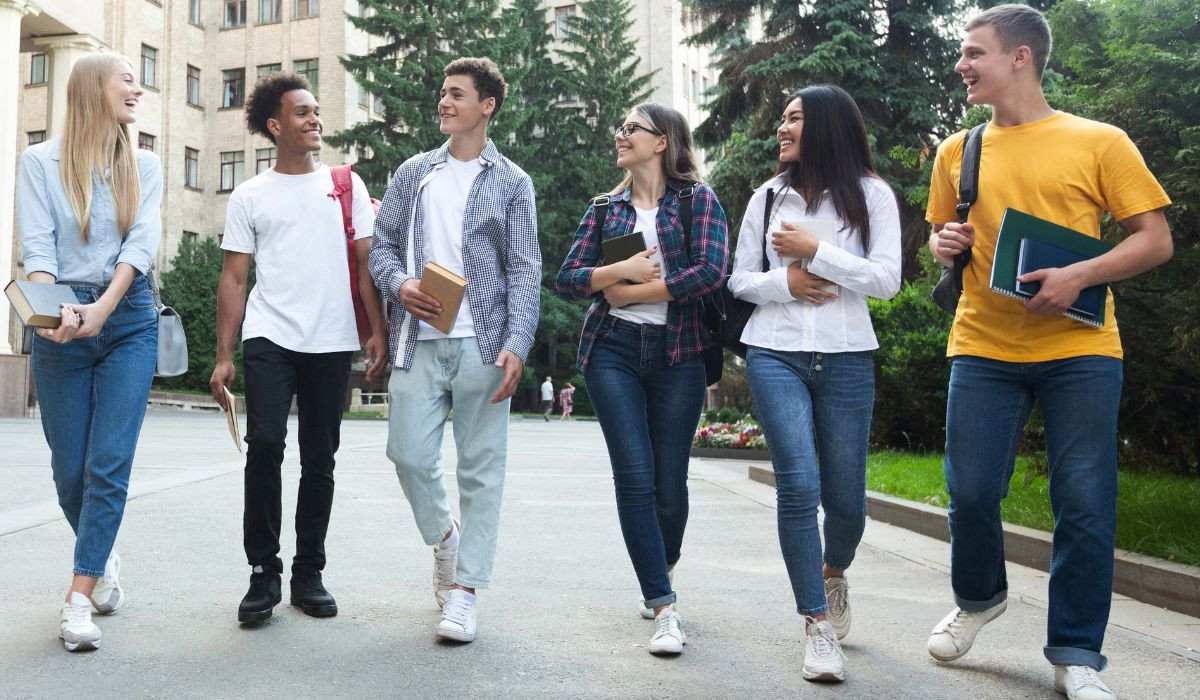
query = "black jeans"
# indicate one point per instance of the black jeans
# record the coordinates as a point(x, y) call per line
point(318, 380)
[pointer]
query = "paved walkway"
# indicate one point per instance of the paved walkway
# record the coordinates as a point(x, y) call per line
point(561, 620)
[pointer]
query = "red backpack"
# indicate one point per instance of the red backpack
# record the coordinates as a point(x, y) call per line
point(343, 191)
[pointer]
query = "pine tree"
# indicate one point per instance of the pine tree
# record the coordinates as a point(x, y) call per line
point(405, 73)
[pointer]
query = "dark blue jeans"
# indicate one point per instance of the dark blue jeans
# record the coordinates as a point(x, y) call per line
point(92, 394)
point(815, 410)
point(648, 410)
point(988, 406)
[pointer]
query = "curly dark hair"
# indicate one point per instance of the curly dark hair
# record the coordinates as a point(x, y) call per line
point(266, 99)
point(486, 75)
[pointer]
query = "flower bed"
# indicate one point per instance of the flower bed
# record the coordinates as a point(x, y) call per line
point(741, 435)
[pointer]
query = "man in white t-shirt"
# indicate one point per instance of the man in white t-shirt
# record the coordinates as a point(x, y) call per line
point(547, 398)
point(470, 210)
point(298, 336)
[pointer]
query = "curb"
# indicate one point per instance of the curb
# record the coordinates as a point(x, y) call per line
point(1151, 580)
point(730, 453)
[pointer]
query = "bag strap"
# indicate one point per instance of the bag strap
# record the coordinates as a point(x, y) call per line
point(154, 290)
point(968, 191)
point(766, 226)
point(600, 212)
point(343, 191)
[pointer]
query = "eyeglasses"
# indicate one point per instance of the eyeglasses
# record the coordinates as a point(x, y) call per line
point(627, 130)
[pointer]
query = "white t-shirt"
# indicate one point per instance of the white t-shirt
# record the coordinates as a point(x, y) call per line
point(655, 313)
point(547, 391)
point(293, 228)
point(443, 205)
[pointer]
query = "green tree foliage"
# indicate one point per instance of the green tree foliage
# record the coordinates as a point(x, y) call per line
point(895, 58)
point(1133, 64)
point(190, 287)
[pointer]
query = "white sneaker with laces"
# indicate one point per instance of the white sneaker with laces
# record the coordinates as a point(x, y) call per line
point(75, 626)
point(668, 637)
point(648, 613)
point(445, 564)
point(1081, 683)
point(837, 595)
point(459, 617)
point(108, 596)
point(823, 657)
point(955, 634)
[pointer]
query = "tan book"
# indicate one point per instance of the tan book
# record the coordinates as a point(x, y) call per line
point(37, 303)
point(231, 418)
point(448, 288)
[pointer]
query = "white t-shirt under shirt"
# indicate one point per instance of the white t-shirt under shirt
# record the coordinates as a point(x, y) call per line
point(443, 205)
point(301, 296)
point(656, 312)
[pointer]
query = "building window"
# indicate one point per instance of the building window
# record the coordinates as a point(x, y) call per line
point(149, 66)
point(684, 84)
point(193, 86)
point(268, 11)
point(306, 8)
point(264, 159)
point(191, 236)
point(308, 68)
point(35, 137)
point(560, 20)
point(235, 13)
point(233, 87)
point(191, 168)
point(378, 104)
point(266, 68)
point(37, 69)
point(695, 86)
point(194, 12)
point(145, 141)
point(233, 169)
point(364, 97)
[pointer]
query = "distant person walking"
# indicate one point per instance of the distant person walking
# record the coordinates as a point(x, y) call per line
point(547, 399)
point(88, 214)
point(565, 398)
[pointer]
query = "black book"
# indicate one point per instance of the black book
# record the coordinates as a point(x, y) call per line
point(623, 247)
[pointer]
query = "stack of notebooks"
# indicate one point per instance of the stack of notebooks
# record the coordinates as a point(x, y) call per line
point(1027, 243)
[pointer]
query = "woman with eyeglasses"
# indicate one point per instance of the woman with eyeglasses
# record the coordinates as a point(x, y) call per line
point(833, 240)
point(641, 345)
point(88, 213)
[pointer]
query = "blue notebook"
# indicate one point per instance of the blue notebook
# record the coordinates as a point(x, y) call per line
point(1039, 255)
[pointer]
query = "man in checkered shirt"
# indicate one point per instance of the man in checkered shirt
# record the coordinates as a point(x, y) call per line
point(470, 210)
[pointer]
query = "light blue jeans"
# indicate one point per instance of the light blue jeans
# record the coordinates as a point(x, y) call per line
point(445, 374)
point(815, 410)
point(92, 394)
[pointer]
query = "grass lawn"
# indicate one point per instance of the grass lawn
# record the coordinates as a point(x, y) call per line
point(1157, 514)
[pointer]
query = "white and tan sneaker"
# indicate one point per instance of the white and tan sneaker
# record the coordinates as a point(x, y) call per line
point(823, 657)
point(460, 620)
point(955, 634)
point(1081, 683)
point(75, 626)
point(837, 595)
point(108, 596)
point(668, 636)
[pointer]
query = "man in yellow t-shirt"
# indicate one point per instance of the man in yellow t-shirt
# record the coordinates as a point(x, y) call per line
point(1007, 354)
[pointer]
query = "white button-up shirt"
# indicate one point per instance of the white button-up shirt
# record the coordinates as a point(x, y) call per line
point(782, 322)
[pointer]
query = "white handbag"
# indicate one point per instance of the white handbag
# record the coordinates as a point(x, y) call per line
point(172, 343)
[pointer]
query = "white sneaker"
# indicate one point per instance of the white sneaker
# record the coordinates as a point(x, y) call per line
point(459, 617)
point(955, 634)
point(75, 626)
point(648, 613)
point(445, 564)
point(1081, 683)
point(108, 596)
point(823, 657)
point(837, 595)
point(669, 637)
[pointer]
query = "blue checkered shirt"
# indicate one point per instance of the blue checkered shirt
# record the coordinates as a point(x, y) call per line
point(500, 251)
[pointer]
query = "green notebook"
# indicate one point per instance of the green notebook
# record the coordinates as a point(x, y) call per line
point(1016, 226)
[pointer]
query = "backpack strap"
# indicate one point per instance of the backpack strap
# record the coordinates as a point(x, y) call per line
point(600, 212)
point(343, 191)
point(968, 191)
point(767, 226)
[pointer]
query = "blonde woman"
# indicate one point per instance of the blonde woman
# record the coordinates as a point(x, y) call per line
point(641, 345)
point(88, 214)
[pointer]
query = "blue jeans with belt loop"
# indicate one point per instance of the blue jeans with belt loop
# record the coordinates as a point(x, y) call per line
point(815, 409)
point(648, 410)
point(92, 394)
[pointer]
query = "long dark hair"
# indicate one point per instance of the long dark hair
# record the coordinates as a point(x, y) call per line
point(834, 156)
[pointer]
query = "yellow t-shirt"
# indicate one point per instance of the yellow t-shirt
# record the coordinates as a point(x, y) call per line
point(1064, 169)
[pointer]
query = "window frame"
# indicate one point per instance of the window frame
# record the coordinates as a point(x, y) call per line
point(191, 168)
point(144, 139)
point(236, 162)
point(313, 80)
point(228, 78)
point(561, 14)
point(195, 13)
point(265, 155)
point(33, 68)
point(311, 9)
point(193, 81)
point(276, 6)
point(239, 19)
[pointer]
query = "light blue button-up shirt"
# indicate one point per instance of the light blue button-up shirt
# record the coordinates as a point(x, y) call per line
point(50, 237)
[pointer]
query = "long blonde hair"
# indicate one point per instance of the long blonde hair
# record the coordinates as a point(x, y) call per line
point(94, 141)
point(679, 161)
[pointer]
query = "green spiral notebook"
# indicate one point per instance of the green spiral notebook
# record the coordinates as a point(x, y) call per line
point(1015, 227)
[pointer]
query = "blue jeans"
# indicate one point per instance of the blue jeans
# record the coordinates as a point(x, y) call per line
point(92, 393)
point(648, 410)
point(988, 406)
point(450, 373)
point(815, 410)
